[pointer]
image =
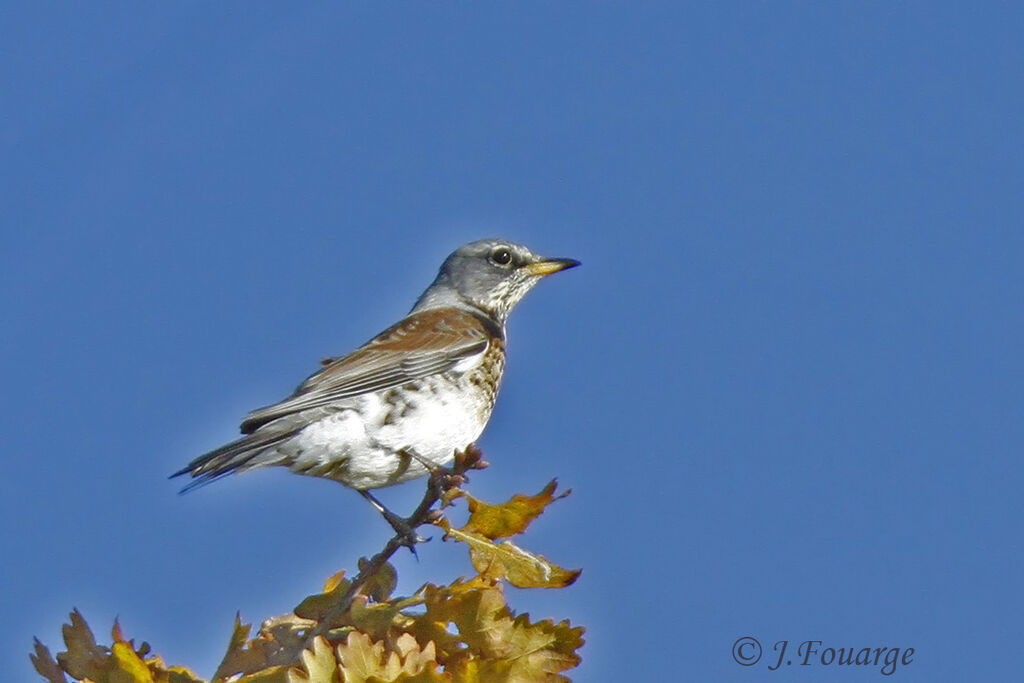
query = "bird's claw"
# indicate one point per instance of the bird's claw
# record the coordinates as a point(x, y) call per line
point(405, 532)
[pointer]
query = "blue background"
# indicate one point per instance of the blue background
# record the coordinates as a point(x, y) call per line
point(785, 386)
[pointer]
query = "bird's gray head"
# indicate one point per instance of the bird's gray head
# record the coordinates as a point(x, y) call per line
point(490, 276)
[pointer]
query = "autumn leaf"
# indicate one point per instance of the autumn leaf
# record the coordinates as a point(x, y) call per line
point(415, 659)
point(380, 584)
point(375, 620)
point(241, 657)
point(509, 518)
point(476, 614)
point(44, 663)
point(319, 663)
point(541, 650)
point(334, 581)
point(83, 658)
point(460, 633)
point(361, 658)
point(425, 676)
point(316, 607)
point(366, 661)
point(274, 674)
point(484, 671)
point(506, 560)
point(180, 674)
point(127, 666)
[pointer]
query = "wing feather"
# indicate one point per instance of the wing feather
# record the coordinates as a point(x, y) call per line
point(423, 344)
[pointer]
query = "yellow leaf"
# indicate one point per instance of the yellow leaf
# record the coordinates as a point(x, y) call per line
point(374, 620)
point(284, 637)
point(334, 581)
point(238, 658)
point(506, 560)
point(415, 659)
point(539, 651)
point(510, 518)
point(275, 674)
point(127, 667)
point(361, 658)
point(490, 645)
point(425, 676)
point(319, 664)
point(483, 671)
point(480, 617)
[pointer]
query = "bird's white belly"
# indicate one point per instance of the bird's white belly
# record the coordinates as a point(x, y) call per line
point(376, 441)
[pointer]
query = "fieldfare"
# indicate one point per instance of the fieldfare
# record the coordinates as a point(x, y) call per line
point(403, 403)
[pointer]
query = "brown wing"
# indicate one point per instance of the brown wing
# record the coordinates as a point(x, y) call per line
point(423, 344)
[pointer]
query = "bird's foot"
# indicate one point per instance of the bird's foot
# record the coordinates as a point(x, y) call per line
point(405, 532)
point(441, 478)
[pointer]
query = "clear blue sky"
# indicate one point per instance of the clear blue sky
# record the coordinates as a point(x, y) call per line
point(786, 385)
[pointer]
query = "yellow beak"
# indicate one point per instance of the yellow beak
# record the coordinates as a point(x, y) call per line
point(550, 266)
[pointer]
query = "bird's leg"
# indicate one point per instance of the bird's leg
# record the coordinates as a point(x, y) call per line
point(441, 478)
point(436, 472)
point(406, 532)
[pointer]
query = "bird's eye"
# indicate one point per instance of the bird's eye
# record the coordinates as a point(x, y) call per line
point(501, 256)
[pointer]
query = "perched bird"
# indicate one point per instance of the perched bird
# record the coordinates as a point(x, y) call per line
point(405, 401)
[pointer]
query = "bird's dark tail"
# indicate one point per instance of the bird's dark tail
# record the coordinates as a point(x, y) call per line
point(236, 456)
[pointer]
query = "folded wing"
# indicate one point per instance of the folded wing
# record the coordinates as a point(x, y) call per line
point(426, 343)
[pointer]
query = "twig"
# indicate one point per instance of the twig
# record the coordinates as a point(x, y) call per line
point(441, 481)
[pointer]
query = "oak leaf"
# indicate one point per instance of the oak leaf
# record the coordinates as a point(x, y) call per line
point(45, 664)
point(320, 664)
point(83, 658)
point(274, 674)
point(509, 518)
point(361, 658)
point(242, 656)
point(382, 583)
point(127, 666)
point(508, 561)
point(375, 620)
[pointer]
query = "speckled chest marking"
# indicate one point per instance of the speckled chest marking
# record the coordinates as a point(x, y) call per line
point(369, 445)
